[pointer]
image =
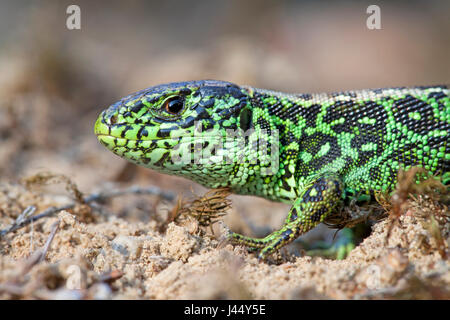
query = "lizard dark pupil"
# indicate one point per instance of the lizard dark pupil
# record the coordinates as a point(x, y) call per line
point(174, 105)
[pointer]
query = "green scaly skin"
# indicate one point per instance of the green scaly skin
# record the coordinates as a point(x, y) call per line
point(328, 147)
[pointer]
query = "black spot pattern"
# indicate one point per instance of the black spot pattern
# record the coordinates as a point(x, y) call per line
point(403, 108)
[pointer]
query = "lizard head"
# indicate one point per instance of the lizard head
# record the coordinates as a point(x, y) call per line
point(179, 128)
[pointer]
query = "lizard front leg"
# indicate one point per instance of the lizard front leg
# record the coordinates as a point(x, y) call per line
point(315, 202)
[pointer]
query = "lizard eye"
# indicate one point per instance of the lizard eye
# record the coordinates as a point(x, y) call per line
point(173, 105)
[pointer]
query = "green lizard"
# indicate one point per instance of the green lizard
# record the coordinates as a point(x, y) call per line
point(310, 150)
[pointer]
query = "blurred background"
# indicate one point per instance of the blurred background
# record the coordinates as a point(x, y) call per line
point(54, 82)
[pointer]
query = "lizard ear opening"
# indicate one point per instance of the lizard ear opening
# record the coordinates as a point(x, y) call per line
point(245, 119)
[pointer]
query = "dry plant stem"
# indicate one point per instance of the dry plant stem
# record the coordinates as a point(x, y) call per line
point(206, 209)
point(37, 256)
point(110, 276)
point(48, 243)
point(405, 187)
point(43, 178)
point(131, 190)
point(20, 219)
point(46, 213)
point(20, 223)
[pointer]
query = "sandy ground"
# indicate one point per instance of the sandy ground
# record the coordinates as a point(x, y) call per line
point(115, 257)
point(53, 85)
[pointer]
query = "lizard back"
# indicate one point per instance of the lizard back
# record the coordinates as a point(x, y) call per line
point(366, 136)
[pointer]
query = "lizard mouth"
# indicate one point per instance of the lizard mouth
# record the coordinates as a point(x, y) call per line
point(133, 147)
point(165, 151)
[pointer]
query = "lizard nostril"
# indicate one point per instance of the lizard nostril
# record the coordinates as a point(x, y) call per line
point(113, 119)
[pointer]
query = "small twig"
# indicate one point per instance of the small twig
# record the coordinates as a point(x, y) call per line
point(35, 258)
point(131, 190)
point(38, 255)
point(111, 276)
point(20, 223)
point(45, 178)
point(46, 247)
point(414, 181)
point(28, 264)
point(100, 209)
point(20, 219)
point(46, 213)
point(31, 237)
point(206, 210)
